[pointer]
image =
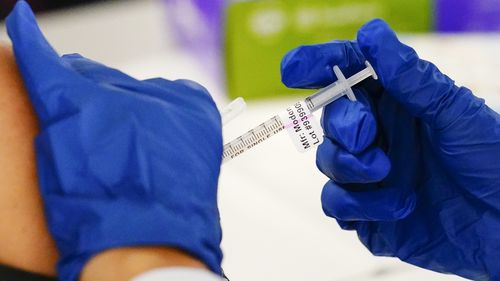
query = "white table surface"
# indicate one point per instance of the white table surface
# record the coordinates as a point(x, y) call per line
point(274, 228)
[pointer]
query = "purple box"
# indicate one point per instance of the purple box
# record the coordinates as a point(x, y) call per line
point(468, 15)
point(198, 28)
point(196, 22)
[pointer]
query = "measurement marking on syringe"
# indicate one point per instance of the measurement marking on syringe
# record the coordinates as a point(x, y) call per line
point(252, 138)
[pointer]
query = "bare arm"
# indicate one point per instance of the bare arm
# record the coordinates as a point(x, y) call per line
point(24, 239)
point(125, 263)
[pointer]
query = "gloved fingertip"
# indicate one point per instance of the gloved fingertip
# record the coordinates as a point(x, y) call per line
point(327, 194)
point(338, 164)
point(291, 73)
point(376, 165)
point(373, 31)
point(351, 124)
point(35, 57)
point(370, 37)
point(21, 23)
point(324, 159)
point(373, 26)
point(21, 9)
point(311, 66)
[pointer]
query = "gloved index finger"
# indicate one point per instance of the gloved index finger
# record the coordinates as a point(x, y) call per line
point(310, 66)
point(37, 60)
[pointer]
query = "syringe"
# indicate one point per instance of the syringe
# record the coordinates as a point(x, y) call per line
point(314, 102)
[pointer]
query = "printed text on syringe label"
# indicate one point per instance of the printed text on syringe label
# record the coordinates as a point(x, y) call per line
point(302, 126)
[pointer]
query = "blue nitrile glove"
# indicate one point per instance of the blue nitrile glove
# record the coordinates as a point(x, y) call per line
point(415, 164)
point(121, 162)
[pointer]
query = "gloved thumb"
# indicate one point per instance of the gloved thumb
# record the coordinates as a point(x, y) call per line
point(36, 58)
point(416, 84)
point(39, 64)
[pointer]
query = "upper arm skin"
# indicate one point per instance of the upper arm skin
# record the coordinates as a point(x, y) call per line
point(25, 242)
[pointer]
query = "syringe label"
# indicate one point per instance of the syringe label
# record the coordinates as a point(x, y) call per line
point(302, 126)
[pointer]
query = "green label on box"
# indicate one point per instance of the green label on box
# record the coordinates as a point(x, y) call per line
point(260, 33)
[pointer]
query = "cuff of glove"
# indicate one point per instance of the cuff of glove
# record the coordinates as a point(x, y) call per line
point(85, 227)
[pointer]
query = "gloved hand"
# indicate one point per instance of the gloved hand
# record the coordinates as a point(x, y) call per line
point(414, 165)
point(121, 162)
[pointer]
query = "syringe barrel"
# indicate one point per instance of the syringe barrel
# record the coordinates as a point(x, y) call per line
point(324, 96)
point(340, 88)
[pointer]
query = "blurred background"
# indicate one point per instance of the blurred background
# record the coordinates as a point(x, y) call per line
point(274, 228)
